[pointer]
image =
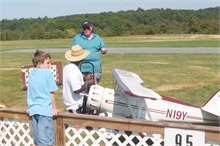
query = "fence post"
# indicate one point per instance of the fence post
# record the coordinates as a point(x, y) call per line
point(59, 132)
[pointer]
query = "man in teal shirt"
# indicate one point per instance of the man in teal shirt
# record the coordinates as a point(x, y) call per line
point(93, 43)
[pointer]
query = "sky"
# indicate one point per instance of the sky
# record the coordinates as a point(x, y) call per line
point(16, 9)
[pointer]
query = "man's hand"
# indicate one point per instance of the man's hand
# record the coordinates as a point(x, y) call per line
point(89, 78)
point(103, 50)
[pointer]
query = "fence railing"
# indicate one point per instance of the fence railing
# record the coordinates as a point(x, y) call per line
point(76, 129)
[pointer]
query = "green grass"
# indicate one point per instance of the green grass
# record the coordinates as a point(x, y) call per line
point(189, 77)
point(130, 41)
point(163, 41)
point(30, 44)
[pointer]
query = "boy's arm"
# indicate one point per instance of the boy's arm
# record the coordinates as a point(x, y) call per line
point(54, 107)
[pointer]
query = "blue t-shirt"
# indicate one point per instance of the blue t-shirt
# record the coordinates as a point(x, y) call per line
point(94, 45)
point(40, 83)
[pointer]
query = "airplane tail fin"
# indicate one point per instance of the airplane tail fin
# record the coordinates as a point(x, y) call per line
point(213, 104)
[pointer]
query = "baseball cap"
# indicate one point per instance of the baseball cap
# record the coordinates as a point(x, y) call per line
point(86, 23)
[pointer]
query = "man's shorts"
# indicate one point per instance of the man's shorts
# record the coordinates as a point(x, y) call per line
point(43, 130)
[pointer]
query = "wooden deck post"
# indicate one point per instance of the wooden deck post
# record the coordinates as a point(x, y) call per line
point(59, 132)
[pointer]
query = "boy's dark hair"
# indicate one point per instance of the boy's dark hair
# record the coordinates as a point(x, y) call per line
point(40, 56)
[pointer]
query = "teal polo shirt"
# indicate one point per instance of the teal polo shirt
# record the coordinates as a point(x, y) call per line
point(94, 45)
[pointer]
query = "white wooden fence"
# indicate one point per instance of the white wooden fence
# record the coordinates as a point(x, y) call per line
point(83, 130)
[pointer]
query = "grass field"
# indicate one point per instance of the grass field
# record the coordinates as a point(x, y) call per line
point(130, 41)
point(189, 77)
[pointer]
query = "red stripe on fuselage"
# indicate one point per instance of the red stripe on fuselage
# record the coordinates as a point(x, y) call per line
point(178, 101)
point(150, 109)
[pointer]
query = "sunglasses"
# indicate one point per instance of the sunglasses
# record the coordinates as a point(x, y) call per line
point(86, 28)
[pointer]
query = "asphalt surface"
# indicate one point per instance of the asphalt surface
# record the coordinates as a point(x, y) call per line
point(130, 50)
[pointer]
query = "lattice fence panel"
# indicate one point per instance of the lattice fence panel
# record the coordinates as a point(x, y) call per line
point(53, 69)
point(14, 133)
point(17, 133)
point(91, 136)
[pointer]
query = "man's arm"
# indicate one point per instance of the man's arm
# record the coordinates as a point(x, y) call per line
point(83, 87)
point(89, 80)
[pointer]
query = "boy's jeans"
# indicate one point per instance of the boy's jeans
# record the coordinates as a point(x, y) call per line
point(43, 130)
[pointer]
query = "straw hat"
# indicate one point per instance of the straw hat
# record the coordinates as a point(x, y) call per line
point(76, 53)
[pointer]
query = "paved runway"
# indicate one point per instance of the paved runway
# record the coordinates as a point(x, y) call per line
point(131, 50)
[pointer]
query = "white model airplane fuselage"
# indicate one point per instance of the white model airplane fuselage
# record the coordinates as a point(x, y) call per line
point(131, 100)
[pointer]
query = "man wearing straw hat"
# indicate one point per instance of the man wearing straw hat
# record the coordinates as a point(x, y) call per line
point(74, 84)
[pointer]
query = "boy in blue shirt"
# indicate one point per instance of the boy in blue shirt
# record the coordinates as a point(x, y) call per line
point(41, 99)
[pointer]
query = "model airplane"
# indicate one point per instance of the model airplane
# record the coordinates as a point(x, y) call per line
point(131, 100)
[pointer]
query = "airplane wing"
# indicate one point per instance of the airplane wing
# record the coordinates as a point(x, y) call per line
point(130, 83)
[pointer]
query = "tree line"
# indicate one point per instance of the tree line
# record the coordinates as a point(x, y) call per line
point(122, 23)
